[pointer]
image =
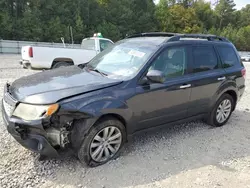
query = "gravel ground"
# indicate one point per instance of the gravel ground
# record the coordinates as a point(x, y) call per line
point(187, 155)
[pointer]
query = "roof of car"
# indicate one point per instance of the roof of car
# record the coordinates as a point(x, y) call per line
point(149, 40)
point(158, 38)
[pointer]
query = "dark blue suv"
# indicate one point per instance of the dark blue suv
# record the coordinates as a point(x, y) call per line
point(144, 81)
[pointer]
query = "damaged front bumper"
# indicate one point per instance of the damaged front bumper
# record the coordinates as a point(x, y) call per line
point(32, 135)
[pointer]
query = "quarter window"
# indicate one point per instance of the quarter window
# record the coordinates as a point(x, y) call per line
point(228, 56)
point(172, 62)
point(205, 59)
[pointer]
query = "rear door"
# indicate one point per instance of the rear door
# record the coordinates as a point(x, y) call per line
point(207, 76)
point(233, 66)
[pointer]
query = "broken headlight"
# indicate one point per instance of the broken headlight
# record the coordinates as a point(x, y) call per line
point(34, 112)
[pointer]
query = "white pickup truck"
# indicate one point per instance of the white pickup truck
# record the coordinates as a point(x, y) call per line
point(54, 57)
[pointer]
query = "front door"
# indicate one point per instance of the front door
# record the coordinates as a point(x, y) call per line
point(159, 103)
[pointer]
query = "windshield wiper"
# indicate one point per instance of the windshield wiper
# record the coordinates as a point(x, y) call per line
point(96, 70)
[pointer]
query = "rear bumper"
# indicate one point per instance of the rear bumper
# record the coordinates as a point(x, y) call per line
point(29, 135)
point(240, 93)
point(25, 63)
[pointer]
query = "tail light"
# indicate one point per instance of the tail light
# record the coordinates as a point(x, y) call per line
point(243, 72)
point(30, 51)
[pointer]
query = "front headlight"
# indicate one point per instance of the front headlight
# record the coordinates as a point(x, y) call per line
point(34, 112)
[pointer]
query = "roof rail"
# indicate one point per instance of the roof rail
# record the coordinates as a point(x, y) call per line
point(198, 36)
point(153, 34)
point(178, 36)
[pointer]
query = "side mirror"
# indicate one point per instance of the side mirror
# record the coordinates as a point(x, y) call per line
point(155, 76)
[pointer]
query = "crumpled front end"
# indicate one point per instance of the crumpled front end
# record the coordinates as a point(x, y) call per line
point(47, 136)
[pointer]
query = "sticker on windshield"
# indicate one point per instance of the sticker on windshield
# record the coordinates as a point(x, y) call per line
point(136, 53)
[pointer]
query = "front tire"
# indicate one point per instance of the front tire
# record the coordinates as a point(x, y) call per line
point(103, 142)
point(222, 111)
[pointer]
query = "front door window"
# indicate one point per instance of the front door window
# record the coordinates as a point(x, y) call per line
point(172, 62)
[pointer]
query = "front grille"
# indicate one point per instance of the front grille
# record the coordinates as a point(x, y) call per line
point(8, 108)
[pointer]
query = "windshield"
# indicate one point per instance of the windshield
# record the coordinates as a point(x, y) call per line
point(123, 60)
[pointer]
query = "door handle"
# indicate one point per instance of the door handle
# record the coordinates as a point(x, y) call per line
point(185, 86)
point(221, 78)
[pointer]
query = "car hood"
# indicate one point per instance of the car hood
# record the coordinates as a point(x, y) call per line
point(53, 85)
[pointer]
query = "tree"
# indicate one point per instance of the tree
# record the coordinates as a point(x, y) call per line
point(229, 32)
point(243, 39)
point(127, 16)
point(5, 25)
point(48, 20)
point(186, 3)
point(184, 20)
point(205, 14)
point(30, 27)
point(109, 30)
point(244, 19)
point(224, 11)
point(163, 16)
point(54, 30)
point(142, 15)
point(79, 29)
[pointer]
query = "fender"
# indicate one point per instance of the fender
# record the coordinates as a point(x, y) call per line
point(225, 87)
point(85, 114)
point(104, 105)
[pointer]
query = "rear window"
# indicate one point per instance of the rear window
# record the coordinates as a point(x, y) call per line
point(88, 44)
point(228, 56)
point(205, 58)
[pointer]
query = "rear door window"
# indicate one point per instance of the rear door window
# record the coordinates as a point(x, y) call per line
point(204, 58)
point(228, 56)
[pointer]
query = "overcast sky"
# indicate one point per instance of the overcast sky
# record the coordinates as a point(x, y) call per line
point(239, 3)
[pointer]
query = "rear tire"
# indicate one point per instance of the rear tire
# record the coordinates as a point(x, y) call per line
point(221, 111)
point(97, 148)
point(61, 64)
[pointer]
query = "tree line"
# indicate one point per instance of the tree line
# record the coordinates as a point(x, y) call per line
point(49, 20)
